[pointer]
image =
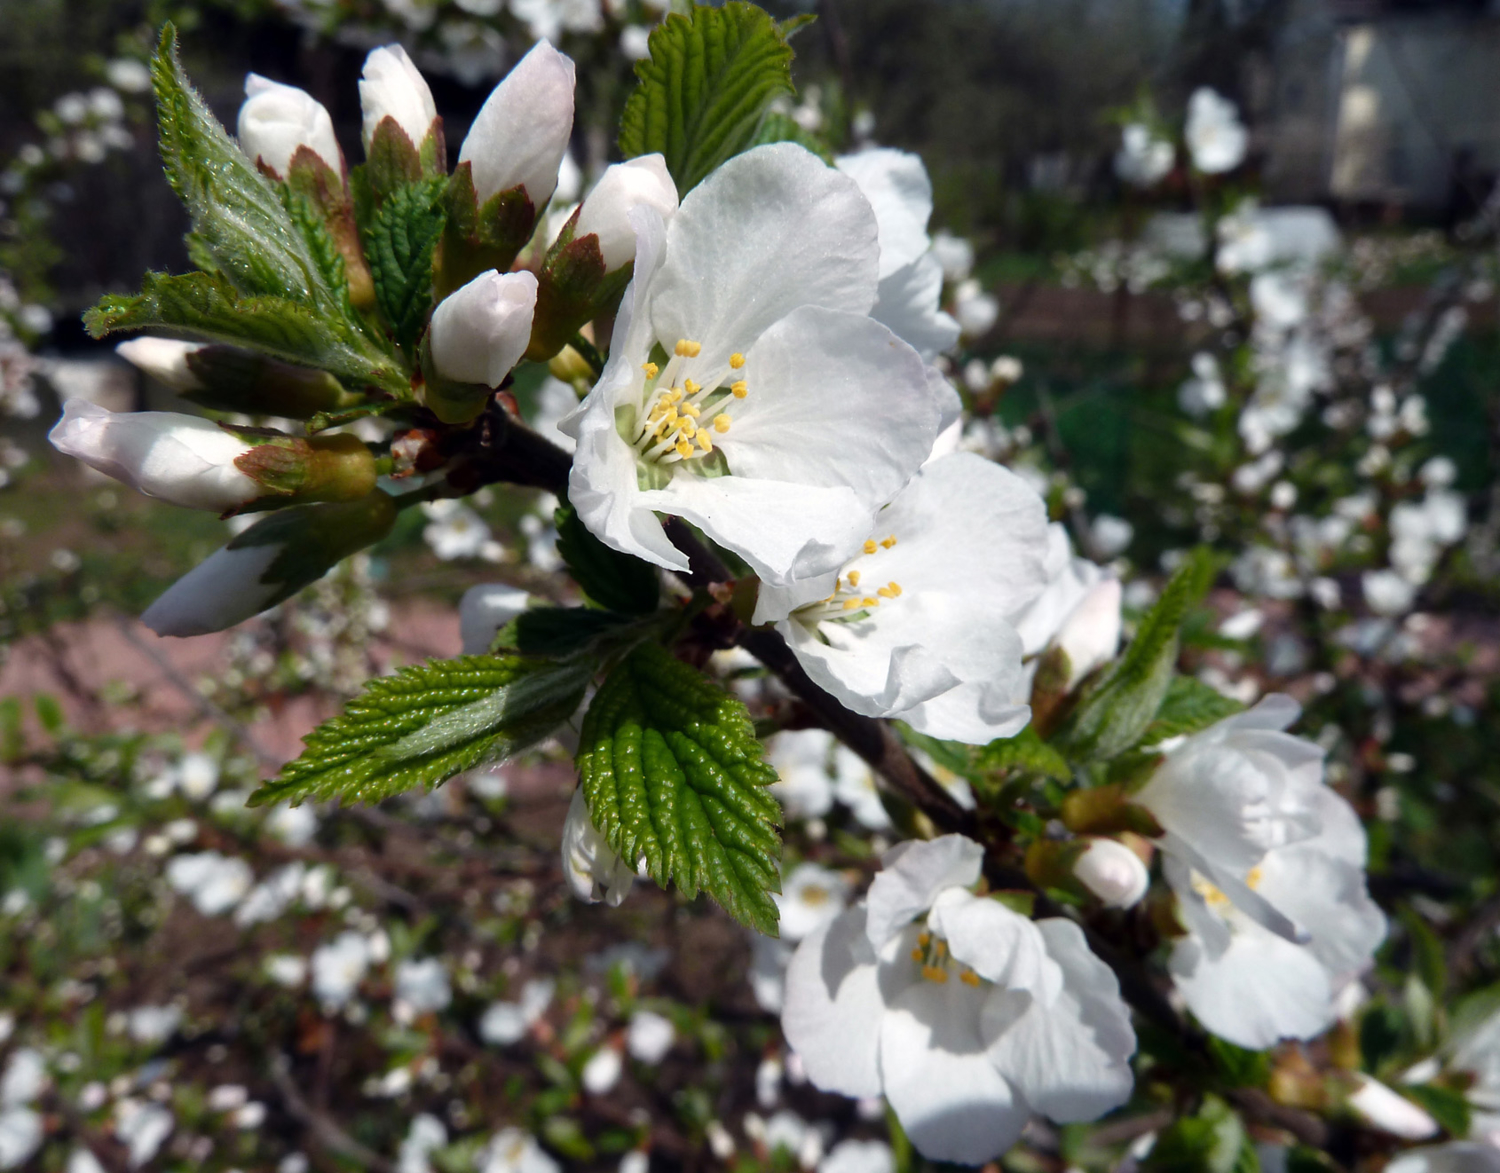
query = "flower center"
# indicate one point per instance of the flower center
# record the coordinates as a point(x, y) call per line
point(680, 416)
point(855, 594)
point(1214, 896)
point(935, 962)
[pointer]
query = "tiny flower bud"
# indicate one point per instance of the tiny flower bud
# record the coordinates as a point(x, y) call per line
point(594, 871)
point(275, 120)
point(521, 132)
point(391, 87)
point(180, 458)
point(268, 563)
point(1091, 634)
point(1382, 1108)
point(165, 360)
point(1112, 872)
point(623, 187)
point(480, 332)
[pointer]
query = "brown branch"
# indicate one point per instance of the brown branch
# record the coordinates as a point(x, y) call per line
point(323, 1129)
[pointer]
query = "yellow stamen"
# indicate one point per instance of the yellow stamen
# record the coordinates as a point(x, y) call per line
point(917, 955)
point(870, 546)
point(889, 542)
point(690, 411)
point(684, 449)
point(651, 369)
point(705, 441)
point(851, 604)
point(1252, 881)
point(721, 423)
point(893, 587)
point(686, 349)
point(690, 387)
point(969, 978)
point(870, 601)
point(934, 974)
point(924, 939)
point(854, 578)
point(739, 388)
point(940, 948)
point(736, 360)
point(674, 395)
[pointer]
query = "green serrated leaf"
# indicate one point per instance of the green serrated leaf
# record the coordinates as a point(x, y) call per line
point(1190, 705)
point(427, 723)
point(1025, 752)
point(1116, 711)
point(1213, 1141)
point(614, 580)
point(673, 773)
point(777, 127)
point(705, 88)
point(400, 241)
point(1238, 1066)
point(321, 246)
point(240, 227)
point(207, 306)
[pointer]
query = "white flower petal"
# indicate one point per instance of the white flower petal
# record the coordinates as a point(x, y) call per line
point(833, 1007)
point(896, 184)
point(909, 301)
point(912, 875)
point(520, 134)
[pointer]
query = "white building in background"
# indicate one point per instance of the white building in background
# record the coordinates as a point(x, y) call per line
point(1385, 102)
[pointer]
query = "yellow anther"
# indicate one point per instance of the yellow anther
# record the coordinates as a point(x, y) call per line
point(736, 360)
point(870, 601)
point(889, 542)
point(674, 395)
point(917, 955)
point(690, 387)
point(969, 978)
point(870, 546)
point(851, 604)
point(934, 973)
point(893, 587)
point(854, 578)
point(940, 948)
point(739, 388)
point(705, 441)
point(686, 349)
point(924, 939)
point(684, 449)
point(690, 411)
point(1252, 881)
point(886, 593)
point(651, 369)
point(721, 423)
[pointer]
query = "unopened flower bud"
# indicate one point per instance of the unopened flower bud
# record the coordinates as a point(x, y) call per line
point(1091, 634)
point(268, 563)
point(228, 378)
point(1112, 872)
point(390, 86)
point(275, 120)
point(1382, 1108)
point(622, 188)
point(521, 132)
point(594, 871)
point(165, 360)
point(480, 332)
point(180, 458)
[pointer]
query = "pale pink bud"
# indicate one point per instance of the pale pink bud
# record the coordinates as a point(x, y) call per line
point(480, 331)
point(275, 120)
point(164, 359)
point(521, 132)
point(179, 458)
point(391, 87)
point(641, 182)
point(1091, 634)
point(1380, 1107)
point(1112, 872)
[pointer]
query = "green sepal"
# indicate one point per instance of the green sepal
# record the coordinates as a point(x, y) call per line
point(400, 240)
point(557, 631)
point(476, 239)
point(234, 379)
point(572, 289)
point(1113, 714)
point(673, 774)
point(616, 581)
point(393, 161)
point(427, 723)
point(207, 307)
point(705, 88)
point(320, 468)
point(448, 399)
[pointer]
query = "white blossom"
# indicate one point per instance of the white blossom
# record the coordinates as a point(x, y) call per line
point(649, 1037)
point(1216, 138)
point(810, 897)
point(338, 967)
point(141, 1128)
point(967, 1023)
point(975, 310)
point(859, 1156)
point(1144, 158)
point(504, 1023)
point(954, 254)
point(24, 1079)
point(455, 530)
point(593, 870)
point(921, 624)
point(276, 120)
point(1380, 1107)
point(624, 187)
point(215, 883)
point(1458, 1157)
point(183, 459)
point(520, 134)
point(758, 292)
point(390, 86)
point(422, 986)
point(425, 1135)
point(803, 785)
point(20, 1136)
point(602, 1071)
point(513, 1151)
point(480, 332)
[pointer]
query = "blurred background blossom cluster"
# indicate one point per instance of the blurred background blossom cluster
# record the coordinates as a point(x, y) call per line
point(1221, 273)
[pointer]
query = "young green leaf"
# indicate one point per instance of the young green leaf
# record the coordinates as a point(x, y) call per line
point(673, 772)
point(427, 723)
point(1025, 752)
point(400, 240)
point(1190, 705)
point(557, 631)
point(207, 306)
point(705, 88)
point(614, 580)
point(1112, 716)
